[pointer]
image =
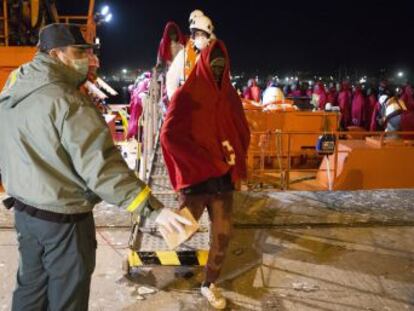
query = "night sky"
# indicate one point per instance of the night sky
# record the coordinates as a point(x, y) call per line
point(268, 36)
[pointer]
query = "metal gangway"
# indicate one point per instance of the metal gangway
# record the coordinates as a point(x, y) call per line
point(147, 247)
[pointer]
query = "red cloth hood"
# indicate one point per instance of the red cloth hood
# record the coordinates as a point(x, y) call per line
point(407, 123)
point(321, 92)
point(332, 96)
point(345, 104)
point(359, 108)
point(408, 97)
point(345, 86)
point(319, 88)
point(200, 119)
point(164, 51)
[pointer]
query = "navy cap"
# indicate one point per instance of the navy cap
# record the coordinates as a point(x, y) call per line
point(61, 35)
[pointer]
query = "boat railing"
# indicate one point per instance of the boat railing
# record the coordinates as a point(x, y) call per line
point(271, 153)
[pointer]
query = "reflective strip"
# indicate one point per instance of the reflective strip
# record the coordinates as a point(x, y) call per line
point(168, 258)
point(11, 80)
point(133, 259)
point(202, 256)
point(124, 120)
point(141, 197)
point(13, 77)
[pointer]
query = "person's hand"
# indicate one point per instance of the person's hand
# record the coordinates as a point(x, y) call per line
point(171, 221)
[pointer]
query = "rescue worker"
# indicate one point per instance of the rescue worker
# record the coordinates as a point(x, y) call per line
point(273, 95)
point(204, 139)
point(201, 35)
point(377, 119)
point(391, 110)
point(61, 161)
point(172, 42)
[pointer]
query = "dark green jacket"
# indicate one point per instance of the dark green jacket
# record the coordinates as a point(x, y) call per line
point(56, 152)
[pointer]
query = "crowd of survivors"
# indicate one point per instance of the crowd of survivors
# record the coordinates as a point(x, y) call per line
point(372, 107)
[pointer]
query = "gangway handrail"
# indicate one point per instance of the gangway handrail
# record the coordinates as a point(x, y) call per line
point(152, 121)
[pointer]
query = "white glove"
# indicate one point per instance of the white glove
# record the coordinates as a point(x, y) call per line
point(171, 221)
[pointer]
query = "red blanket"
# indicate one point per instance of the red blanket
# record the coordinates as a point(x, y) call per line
point(205, 128)
point(359, 108)
point(345, 104)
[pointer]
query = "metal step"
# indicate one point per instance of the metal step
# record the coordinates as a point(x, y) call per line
point(148, 247)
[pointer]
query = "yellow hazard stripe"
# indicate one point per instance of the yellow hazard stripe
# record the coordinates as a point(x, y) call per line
point(202, 256)
point(133, 259)
point(124, 120)
point(13, 77)
point(141, 198)
point(168, 258)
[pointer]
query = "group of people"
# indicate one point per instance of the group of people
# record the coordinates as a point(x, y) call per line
point(61, 158)
point(368, 107)
point(58, 161)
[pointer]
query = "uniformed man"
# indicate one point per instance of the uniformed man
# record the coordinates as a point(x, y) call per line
point(57, 161)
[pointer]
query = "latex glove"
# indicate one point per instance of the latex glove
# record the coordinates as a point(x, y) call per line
point(171, 221)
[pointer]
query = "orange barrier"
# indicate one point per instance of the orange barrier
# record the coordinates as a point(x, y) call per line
point(264, 147)
point(11, 58)
point(375, 162)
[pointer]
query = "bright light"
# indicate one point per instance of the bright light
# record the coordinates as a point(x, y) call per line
point(363, 80)
point(401, 74)
point(108, 18)
point(287, 79)
point(124, 70)
point(105, 10)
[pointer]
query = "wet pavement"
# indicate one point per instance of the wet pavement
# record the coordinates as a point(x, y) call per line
point(322, 256)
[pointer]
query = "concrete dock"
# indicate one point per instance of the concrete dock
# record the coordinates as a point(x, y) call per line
point(290, 251)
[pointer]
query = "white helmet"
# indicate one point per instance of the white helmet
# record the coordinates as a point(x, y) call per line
point(273, 94)
point(202, 23)
point(194, 14)
point(328, 107)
